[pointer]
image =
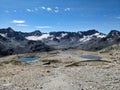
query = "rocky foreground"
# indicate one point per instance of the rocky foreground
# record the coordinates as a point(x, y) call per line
point(60, 70)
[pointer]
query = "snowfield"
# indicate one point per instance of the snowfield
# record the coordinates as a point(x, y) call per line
point(36, 38)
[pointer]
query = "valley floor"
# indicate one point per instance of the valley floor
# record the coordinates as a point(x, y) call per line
point(60, 70)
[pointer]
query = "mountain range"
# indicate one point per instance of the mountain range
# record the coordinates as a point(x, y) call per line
point(15, 42)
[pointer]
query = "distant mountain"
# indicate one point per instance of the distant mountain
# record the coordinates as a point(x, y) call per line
point(112, 38)
point(65, 40)
point(13, 42)
point(114, 34)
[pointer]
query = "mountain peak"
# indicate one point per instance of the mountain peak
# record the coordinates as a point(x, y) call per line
point(115, 31)
point(36, 32)
point(90, 32)
point(114, 34)
point(93, 31)
point(9, 29)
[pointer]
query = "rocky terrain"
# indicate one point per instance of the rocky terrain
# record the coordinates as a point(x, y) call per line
point(16, 42)
point(60, 65)
point(113, 50)
point(60, 70)
point(12, 42)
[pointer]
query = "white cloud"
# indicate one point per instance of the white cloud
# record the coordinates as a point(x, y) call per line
point(18, 21)
point(43, 27)
point(56, 10)
point(29, 10)
point(49, 9)
point(67, 9)
point(23, 25)
point(43, 8)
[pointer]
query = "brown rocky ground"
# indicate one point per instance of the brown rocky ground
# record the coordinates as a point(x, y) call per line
point(60, 70)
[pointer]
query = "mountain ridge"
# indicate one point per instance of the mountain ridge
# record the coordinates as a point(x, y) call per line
point(16, 41)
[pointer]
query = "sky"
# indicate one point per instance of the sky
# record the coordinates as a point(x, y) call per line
point(60, 15)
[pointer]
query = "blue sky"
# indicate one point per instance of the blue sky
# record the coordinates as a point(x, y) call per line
point(60, 15)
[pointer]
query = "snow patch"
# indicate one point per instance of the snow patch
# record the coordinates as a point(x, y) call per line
point(36, 38)
point(85, 38)
point(89, 37)
point(64, 34)
point(58, 37)
point(99, 35)
point(3, 35)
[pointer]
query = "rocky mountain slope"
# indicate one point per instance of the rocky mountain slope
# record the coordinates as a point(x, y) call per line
point(65, 40)
point(113, 50)
point(112, 38)
point(13, 42)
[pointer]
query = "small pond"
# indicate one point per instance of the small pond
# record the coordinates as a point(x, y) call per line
point(91, 57)
point(28, 58)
